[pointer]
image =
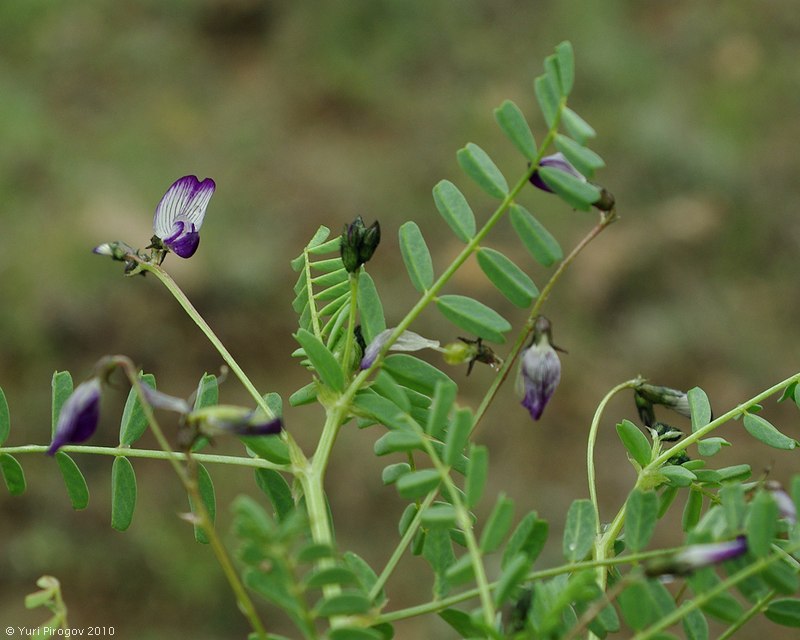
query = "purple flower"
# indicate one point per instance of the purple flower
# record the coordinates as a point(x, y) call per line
point(408, 341)
point(180, 214)
point(555, 161)
point(225, 419)
point(79, 416)
point(540, 370)
point(698, 556)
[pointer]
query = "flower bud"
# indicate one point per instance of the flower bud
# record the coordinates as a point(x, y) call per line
point(540, 370)
point(470, 351)
point(674, 399)
point(79, 416)
point(559, 161)
point(359, 243)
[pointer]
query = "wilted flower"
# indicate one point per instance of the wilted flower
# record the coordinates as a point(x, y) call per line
point(470, 351)
point(540, 369)
point(179, 214)
point(408, 341)
point(698, 556)
point(359, 243)
point(79, 416)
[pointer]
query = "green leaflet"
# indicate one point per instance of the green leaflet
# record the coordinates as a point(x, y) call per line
point(369, 307)
point(455, 209)
point(62, 389)
point(12, 473)
point(5, 419)
point(498, 524)
point(699, 408)
point(277, 490)
point(416, 256)
point(77, 489)
point(549, 101)
point(582, 158)
point(418, 483)
point(474, 317)
point(574, 191)
point(576, 126)
point(509, 279)
point(579, 530)
point(635, 442)
point(322, 360)
point(477, 164)
point(477, 474)
point(765, 432)
point(537, 240)
point(134, 423)
point(123, 493)
point(641, 515)
point(205, 487)
point(513, 123)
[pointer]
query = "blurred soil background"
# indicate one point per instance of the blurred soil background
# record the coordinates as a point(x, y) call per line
point(309, 113)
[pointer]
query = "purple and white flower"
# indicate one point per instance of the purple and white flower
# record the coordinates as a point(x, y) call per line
point(539, 371)
point(79, 416)
point(698, 556)
point(180, 214)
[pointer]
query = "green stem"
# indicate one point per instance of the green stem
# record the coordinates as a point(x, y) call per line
point(405, 540)
point(257, 463)
point(190, 485)
point(702, 598)
point(748, 615)
point(194, 314)
point(351, 323)
point(470, 594)
point(502, 374)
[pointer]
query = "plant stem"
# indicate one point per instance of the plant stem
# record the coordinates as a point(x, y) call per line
point(351, 323)
point(470, 594)
point(505, 368)
point(240, 461)
point(701, 598)
point(194, 314)
point(190, 485)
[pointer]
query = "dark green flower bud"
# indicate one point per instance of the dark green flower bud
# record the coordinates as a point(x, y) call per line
point(672, 398)
point(359, 243)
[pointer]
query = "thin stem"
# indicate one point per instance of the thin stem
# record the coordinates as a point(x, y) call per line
point(470, 594)
point(605, 220)
point(405, 540)
point(748, 615)
point(701, 598)
point(153, 454)
point(190, 485)
point(194, 314)
point(351, 323)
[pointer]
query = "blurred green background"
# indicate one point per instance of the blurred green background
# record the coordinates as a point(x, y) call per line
point(308, 113)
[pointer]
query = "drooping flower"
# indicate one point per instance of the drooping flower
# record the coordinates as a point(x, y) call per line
point(674, 399)
point(226, 419)
point(605, 202)
point(180, 213)
point(540, 370)
point(698, 556)
point(408, 341)
point(555, 161)
point(359, 243)
point(79, 416)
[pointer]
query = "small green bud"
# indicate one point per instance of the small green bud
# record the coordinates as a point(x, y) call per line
point(359, 243)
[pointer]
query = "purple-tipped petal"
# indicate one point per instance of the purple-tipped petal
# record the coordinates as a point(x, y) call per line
point(541, 372)
point(180, 214)
point(269, 428)
point(698, 556)
point(79, 416)
point(406, 341)
point(555, 161)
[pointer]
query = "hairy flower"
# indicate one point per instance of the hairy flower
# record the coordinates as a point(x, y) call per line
point(359, 243)
point(180, 214)
point(79, 416)
point(540, 370)
point(408, 341)
point(698, 556)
